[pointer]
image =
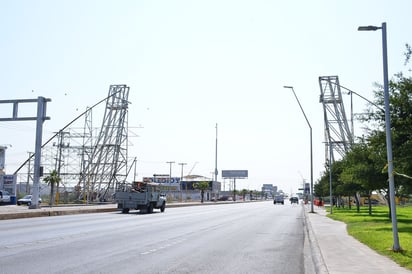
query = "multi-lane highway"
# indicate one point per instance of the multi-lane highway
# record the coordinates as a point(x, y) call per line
point(232, 238)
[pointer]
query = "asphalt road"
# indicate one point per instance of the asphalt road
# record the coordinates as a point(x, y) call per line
point(232, 238)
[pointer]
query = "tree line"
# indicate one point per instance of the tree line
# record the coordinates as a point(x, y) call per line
point(364, 167)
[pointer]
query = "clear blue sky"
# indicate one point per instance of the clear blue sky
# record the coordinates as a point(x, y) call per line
point(192, 64)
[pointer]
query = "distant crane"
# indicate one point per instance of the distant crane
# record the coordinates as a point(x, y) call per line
point(301, 176)
point(303, 182)
point(193, 167)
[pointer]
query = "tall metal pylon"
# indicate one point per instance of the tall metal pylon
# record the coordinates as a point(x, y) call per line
point(88, 158)
point(86, 154)
point(108, 161)
point(338, 135)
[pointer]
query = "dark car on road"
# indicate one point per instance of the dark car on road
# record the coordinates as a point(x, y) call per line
point(279, 199)
point(294, 200)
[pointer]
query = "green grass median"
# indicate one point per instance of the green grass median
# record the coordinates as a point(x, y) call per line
point(376, 230)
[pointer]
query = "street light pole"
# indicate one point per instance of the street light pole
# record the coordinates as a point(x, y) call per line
point(311, 149)
point(396, 246)
point(330, 178)
point(216, 172)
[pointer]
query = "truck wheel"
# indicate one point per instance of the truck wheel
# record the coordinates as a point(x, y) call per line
point(125, 210)
point(150, 208)
point(162, 208)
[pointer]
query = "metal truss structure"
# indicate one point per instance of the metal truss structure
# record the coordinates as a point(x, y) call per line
point(69, 152)
point(106, 165)
point(338, 136)
point(89, 160)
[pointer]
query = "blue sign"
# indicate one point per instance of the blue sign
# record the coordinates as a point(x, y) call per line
point(162, 180)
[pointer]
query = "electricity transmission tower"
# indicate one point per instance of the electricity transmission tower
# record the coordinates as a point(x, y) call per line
point(90, 159)
point(106, 165)
point(338, 136)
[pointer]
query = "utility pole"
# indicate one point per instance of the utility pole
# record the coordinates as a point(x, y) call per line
point(216, 172)
point(28, 173)
point(60, 146)
point(135, 164)
point(181, 179)
point(170, 173)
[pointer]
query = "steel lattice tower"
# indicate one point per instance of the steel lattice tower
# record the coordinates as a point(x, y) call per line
point(338, 135)
point(108, 160)
point(92, 160)
point(86, 152)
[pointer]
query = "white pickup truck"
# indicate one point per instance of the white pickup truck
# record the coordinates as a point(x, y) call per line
point(4, 196)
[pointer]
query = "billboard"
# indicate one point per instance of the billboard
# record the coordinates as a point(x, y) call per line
point(234, 173)
point(8, 182)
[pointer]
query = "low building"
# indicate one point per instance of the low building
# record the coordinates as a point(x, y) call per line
point(269, 190)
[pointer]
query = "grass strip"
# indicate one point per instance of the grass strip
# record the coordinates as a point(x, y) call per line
point(375, 230)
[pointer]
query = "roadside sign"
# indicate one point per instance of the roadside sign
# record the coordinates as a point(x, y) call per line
point(234, 173)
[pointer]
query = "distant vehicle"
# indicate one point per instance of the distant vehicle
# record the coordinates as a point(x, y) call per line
point(4, 196)
point(294, 200)
point(223, 198)
point(373, 202)
point(141, 196)
point(279, 199)
point(26, 200)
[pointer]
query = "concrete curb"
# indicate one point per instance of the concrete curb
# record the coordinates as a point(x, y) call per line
point(51, 212)
point(315, 251)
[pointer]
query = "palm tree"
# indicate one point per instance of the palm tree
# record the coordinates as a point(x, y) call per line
point(244, 191)
point(52, 179)
point(202, 186)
